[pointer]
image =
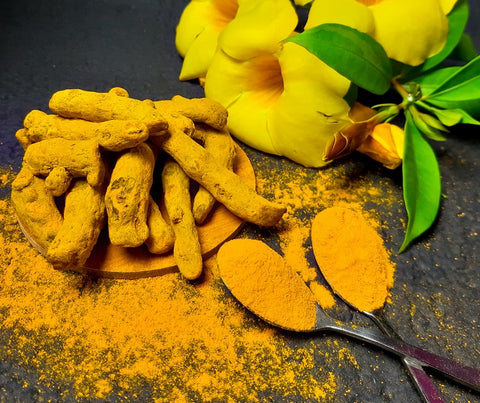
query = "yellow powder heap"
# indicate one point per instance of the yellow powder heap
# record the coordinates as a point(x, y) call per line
point(165, 339)
point(352, 257)
point(262, 281)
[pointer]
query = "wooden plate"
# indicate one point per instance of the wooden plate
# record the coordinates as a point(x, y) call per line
point(107, 260)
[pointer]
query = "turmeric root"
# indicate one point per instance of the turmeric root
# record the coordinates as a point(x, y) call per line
point(127, 196)
point(58, 181)
point(227, 187)
point(35, 207)
point(161, 237)
point(80, 158)
point(113, 135)
point(99, 107)
point(22, 137)
point(84, 218)
point(200, 110)
point(186, 251)
point(221, 146)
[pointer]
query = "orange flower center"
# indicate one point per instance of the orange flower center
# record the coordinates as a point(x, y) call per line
point(223, 11)
point(266, 80)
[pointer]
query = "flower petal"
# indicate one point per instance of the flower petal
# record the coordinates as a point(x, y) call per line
point(311, 108)
point(410, 30)
point(199, 56)
point(347, 12)
point(193, 21)
point(229, 82)
point(447, 5)
point(258, 27)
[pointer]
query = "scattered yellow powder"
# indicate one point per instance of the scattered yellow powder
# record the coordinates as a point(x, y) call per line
point(161, 338)
point(164, 339)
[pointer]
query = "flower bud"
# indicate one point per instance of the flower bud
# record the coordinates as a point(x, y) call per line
point(385, 145)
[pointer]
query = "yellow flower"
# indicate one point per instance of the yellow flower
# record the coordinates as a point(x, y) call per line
point(385, 145)
point(197, 33)
point(280, 98)
point(409, 30)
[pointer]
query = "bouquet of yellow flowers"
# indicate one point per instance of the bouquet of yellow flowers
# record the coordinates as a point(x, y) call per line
point(290, 84)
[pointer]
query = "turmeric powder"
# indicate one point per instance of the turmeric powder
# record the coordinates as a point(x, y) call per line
point(248, 264)
point(352, 257)
point(156, 338)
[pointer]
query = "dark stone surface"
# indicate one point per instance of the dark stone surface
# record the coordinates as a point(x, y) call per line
point(50, 45)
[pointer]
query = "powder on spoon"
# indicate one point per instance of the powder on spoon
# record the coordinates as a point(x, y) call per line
point(352, 257)
point(261, 280)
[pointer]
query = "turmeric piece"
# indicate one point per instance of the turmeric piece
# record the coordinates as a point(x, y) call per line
point(127, 196)
point(35, 207)
point(22, 137)
point(227, 187)
point(200, 110)
point(100, 107)
point(80, 158)
point(219, 144)
point(112, 135)
point(84, 218)
point(161, 237)
point(186, 251)
point(58, 181)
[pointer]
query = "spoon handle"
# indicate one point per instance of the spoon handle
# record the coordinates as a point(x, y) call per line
point(458, 372)
point(423, 383)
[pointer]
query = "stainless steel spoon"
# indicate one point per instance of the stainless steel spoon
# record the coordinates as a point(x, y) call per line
point(422, 382)
point(253, 278)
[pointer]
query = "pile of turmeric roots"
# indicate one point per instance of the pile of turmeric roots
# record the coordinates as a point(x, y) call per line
point(91, 164)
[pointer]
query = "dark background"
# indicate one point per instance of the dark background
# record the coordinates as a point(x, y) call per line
point(46, 46)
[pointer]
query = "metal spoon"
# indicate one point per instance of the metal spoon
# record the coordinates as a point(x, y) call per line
point(423, 383)
point(253, 279)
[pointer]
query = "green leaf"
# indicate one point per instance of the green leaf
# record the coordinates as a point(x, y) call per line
point(457, 21)
point(465, 50)
point(460, 90)
point(355, 55)
point(428, 125)
point(464, 78)
point(433, 78)
point(421, 183)
point(451, 117)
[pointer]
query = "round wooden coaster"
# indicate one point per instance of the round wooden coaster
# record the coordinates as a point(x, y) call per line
point(107, 260)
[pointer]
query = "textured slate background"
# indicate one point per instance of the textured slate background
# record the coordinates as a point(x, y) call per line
point(50, 45)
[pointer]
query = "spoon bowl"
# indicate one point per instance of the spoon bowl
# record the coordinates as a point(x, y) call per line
point(372, 293)
point(258, 277)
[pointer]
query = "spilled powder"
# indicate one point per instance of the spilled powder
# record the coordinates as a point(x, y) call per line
point(165, 339)
point(307, 192)
point(162, 337)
